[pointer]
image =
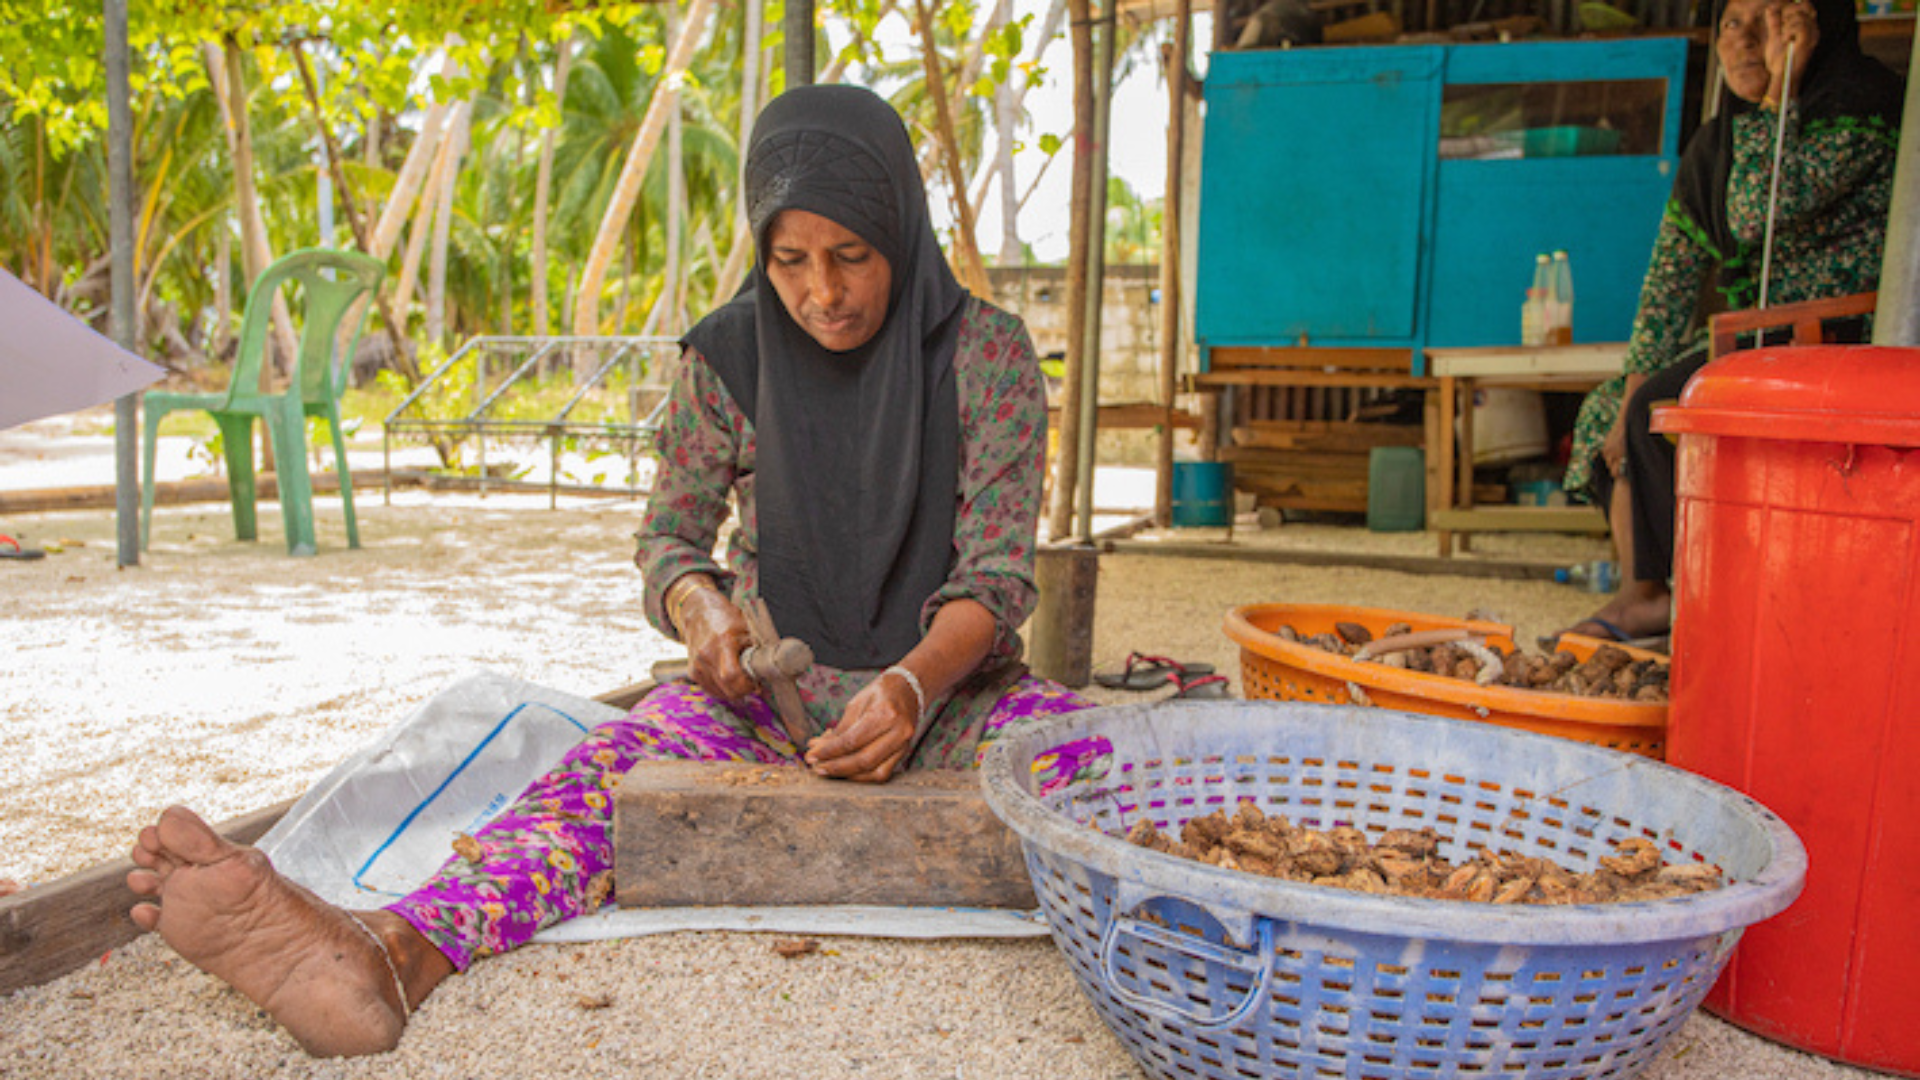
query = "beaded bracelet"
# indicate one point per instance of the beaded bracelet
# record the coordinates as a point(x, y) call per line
point(919, 692)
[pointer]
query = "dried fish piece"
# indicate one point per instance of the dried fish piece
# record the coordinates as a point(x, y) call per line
point(465, 846)
point(795, 948)
point(1205, 832)
point(1413, 843)
point(1458, 653)
point(1632, 857)
point(1407, 862)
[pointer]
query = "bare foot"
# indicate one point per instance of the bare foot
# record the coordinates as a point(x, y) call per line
point(224, 908)
point(8, 886)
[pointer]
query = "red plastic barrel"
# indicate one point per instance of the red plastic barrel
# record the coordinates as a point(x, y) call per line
point(1796, 673)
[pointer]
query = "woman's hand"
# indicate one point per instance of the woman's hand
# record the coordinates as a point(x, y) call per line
point(1614, 450)
point(1792, 21)
point(873, 734)
point(716, 634)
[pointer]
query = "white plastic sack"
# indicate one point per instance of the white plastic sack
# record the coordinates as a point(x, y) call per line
point(384, 820)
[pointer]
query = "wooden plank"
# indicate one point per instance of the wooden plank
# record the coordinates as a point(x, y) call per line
point(1305, 493)
point(1134, 415)
point(1325, 436)
point(48, 931)
point(1573, 519)
point(1410, 564)
point(694, 834)
point(1294, 377)
point(1310, 357)
point(1598, 361)
point(172, 492)
point(1250, 461)
point(52, 929)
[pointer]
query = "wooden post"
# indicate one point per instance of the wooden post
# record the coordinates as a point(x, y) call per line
point(1061, 645)
point(1170, 299)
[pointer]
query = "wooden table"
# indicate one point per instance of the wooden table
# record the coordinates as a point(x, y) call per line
point(1531, 367)
point(1309, 464)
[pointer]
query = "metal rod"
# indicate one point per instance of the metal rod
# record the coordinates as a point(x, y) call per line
point(1773, 190)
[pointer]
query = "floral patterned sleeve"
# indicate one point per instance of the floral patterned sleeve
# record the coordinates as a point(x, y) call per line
point(1823, 164)
point(1003, 439)
point(699, 454)
point(1668, 295)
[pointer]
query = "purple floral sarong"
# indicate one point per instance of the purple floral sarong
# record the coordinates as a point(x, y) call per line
point(549, 856)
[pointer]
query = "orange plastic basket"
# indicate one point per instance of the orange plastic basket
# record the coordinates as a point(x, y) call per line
point(1273, 668)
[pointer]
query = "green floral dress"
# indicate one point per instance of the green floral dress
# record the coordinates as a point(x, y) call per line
point(1836, 182)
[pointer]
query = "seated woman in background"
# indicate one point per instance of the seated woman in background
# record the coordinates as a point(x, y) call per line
point(882, 436)
point(1829, 225)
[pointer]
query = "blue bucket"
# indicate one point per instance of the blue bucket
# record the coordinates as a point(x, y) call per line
point(1202, 493)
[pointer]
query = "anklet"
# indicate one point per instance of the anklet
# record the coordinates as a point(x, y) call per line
point(406, 1011)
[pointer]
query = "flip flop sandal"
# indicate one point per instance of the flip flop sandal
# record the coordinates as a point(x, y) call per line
point(11, 549)
point(1201, 688)
point(1143, 672)
point(1551, 642)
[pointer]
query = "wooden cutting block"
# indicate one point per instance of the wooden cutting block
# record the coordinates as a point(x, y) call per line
point(719, 834)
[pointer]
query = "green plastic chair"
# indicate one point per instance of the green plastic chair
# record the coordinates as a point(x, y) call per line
point(329, 284)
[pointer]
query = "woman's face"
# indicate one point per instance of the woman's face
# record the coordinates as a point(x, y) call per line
point(834, 284)
point(1742, 45)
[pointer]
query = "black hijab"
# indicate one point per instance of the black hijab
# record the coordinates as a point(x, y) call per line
point(1840, 83)
point(857, 452)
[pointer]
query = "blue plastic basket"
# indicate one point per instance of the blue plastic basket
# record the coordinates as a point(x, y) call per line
point(1204, 972)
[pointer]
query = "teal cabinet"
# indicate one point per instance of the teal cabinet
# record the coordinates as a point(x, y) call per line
point(1396, 195)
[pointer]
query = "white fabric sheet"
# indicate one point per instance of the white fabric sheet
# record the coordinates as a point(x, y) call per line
point(52, 363)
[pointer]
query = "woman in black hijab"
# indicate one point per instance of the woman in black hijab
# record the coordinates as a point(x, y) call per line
point(1829, 227)
point(881, 435)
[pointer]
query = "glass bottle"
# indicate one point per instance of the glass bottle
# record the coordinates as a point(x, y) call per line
point(1559, 308)
point(1533, 313)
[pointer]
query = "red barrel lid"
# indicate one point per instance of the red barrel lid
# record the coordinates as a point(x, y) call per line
point(1810, 393)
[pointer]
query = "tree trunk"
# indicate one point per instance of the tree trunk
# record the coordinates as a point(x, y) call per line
point(1009, 104)
point(423, 221)
point(371, 161)
point(543, 197)
point(666, 95)
point(407, 185)
point(972, 271)
point(1006, 122)
point(222, 290)
point(224, 64)
point(402, 359)
point(754, 76)
point(625, 294)
point(676, 200)
point(1066, 461)
point(443, 229)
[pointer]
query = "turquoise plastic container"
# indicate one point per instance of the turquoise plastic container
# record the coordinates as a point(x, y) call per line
point(1396, 489)
point(1566, 141)
point(1202, 493)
